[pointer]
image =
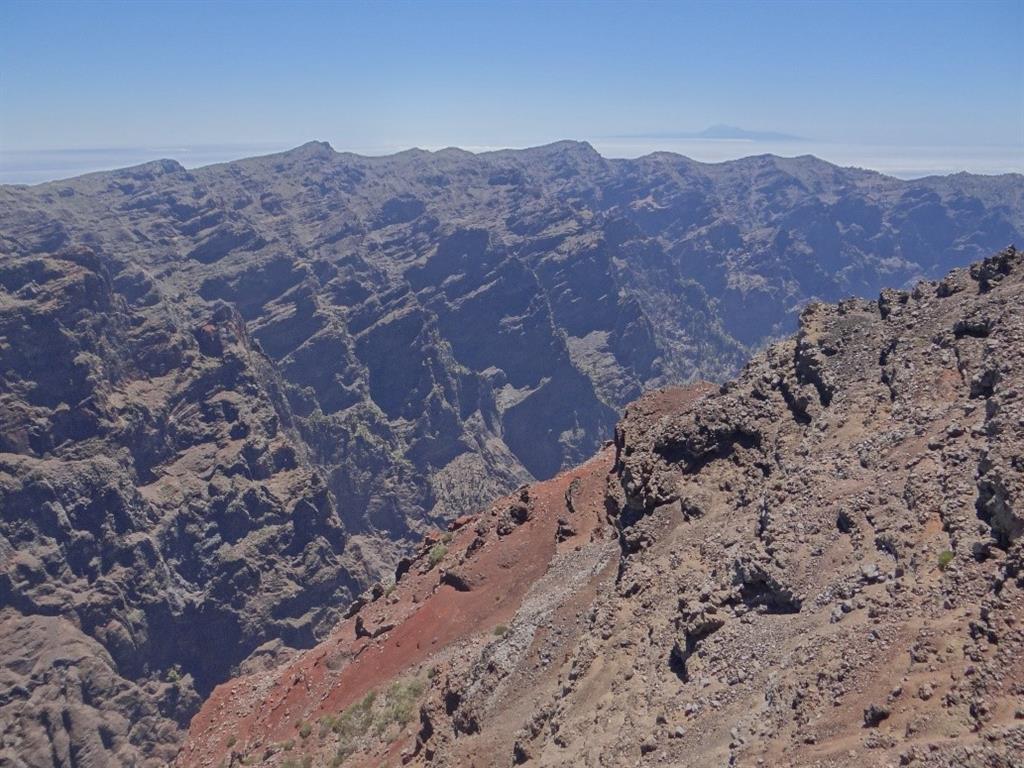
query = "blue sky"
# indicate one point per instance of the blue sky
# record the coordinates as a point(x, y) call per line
point(387, 75)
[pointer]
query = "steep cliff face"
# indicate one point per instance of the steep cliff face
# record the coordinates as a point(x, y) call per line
point(158, 521)
point(818, 563)
point(231, 398)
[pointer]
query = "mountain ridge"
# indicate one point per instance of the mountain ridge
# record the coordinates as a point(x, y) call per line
point(317, 147)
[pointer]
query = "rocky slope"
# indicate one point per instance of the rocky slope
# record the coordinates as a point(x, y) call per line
point(818, 563)
point(232, 397)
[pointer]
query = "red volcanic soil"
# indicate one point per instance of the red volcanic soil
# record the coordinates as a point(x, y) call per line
point(422, 617)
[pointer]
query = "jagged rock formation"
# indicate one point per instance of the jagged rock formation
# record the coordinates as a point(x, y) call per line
point(818, 563)
point(231, 397)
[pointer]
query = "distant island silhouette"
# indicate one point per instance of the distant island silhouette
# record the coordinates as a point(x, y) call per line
point(718, 132)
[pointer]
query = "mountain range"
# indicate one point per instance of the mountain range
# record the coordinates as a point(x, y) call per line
point(235, 397)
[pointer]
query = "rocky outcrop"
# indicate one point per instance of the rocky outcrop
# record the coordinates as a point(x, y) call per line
point(755, 574)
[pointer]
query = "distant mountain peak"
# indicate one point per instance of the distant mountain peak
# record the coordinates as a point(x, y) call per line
point(314, 149)
point(151, 169)
point(718, 132)
point(566, 146)
point(733, 132)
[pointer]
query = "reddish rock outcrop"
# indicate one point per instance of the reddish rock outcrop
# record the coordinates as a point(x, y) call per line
point(460, 592)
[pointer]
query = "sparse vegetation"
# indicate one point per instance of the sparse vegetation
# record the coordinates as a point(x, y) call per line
point(351, 725)
point(355, 720)
point(400, 701)
point(945, 558)
point(437, 553)
point(372, 715)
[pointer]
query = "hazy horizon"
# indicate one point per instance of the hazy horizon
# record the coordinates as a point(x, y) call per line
point(908, 89)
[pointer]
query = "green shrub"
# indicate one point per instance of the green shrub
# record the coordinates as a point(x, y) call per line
point(501, 630)
point(373, 714)
point(343, 753)
point(437, 553)
point(945, 558)
point(399, 705)
point(351, 724)
point(231, 741)
point(305, 729)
